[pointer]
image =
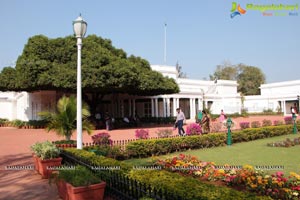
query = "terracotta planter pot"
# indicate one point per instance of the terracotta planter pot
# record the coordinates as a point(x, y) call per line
point(62, 189)
point(36, 162)
point(44, 166)
point(91, 192)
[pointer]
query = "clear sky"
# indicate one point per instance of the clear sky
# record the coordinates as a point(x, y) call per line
point(200, 34)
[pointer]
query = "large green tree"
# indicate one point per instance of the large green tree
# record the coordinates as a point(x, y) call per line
point(51, 64)
point(249, 78)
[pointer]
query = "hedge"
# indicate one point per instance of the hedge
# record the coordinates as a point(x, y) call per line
point(146, 148)
point(184, 187)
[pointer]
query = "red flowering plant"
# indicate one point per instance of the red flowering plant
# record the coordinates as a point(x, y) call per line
point(188, 165)
point(275, 185)
point(193, 129)
point(102, 139)
point(142, 134)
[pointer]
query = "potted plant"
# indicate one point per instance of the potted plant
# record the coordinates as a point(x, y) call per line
point(36, 149)
point(47, 158)
point(79, 183)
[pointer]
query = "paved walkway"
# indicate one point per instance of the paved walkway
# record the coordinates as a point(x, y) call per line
point(27, 184)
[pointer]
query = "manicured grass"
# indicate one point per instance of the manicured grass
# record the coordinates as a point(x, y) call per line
point(255, 153)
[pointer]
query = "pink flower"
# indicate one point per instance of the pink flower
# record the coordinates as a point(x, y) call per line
point(279, 174)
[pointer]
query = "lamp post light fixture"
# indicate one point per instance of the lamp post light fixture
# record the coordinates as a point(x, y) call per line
point(79, 26)
point(229, 124)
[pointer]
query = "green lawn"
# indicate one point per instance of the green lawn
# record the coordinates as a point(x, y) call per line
point(255, 153)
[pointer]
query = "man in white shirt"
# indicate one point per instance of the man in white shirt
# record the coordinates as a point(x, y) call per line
point(179, 121)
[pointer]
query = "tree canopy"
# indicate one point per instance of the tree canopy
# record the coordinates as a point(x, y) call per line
point(249, 78)
point(51, 64)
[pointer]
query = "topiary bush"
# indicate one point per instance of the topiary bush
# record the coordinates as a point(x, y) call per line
point(266, 122)
point(277, 122)
point(255, 124)
point(244, 125)
point(142, 134)
point(193, 129)
point(102, 139)
point(164, 133)
point(288, 120)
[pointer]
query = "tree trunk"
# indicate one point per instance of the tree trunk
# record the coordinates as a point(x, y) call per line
point(68, 137)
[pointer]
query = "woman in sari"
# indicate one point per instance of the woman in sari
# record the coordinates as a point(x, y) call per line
point(205, 123)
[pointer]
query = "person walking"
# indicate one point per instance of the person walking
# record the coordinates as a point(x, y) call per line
point(107, 121)
point(179, 122)
point(222, 116)
point(205, 122)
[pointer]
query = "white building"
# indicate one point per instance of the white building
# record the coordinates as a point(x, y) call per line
point(216, 95)
point(278, 96)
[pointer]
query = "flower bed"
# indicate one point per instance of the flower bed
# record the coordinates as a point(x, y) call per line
point(287, 143)
point(275, 185)
point(186, 188)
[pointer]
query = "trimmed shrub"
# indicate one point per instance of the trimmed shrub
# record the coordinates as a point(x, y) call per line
point(102, 138)
point(216, 127)
point(255, 124)
point(142, 134)
point(164, 133)
point(266, 122)
point(244, 125)
point(288, 120)
point(193, 129)
point(278, 122)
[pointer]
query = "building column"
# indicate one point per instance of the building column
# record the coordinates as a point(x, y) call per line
point(164, 107)
point(283, 107)
point(174, 106)
point(193, 108)
point(177, 103)
point(168, 107)
point(156, 107)
point(152, 108)
point(200, 104)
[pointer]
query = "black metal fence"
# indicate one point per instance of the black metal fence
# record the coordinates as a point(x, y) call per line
point(121, 187)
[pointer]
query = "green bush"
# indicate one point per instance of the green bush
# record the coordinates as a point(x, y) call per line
point(255, 124)
point(45, 150)
point(17, 123)
point(266, 122)
point(3, 121)
point(188, 188)
point(114, 152)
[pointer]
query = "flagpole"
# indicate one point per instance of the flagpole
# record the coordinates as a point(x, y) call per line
point(165, 49)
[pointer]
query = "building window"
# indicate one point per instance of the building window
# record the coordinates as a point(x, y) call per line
point(147, 109)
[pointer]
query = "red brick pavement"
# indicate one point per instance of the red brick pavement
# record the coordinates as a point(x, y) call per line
point(27, 184)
